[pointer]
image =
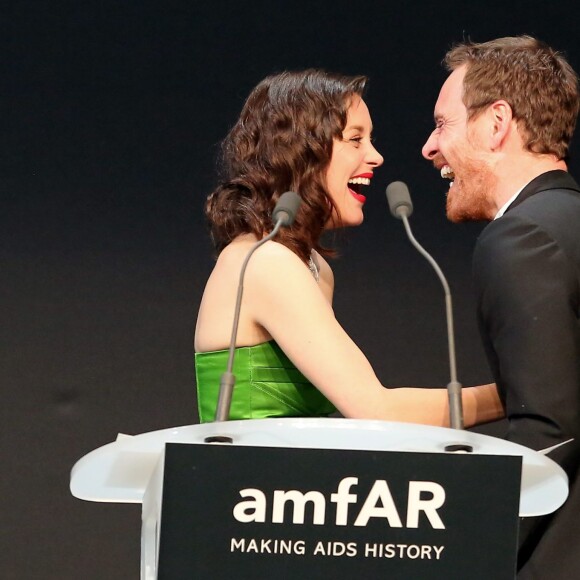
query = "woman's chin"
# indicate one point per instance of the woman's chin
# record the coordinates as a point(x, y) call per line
point(356, 219)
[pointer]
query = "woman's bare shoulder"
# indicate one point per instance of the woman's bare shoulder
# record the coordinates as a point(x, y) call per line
point(238, 250)
point(274, 254)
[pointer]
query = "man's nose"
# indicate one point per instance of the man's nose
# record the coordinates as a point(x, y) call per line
point(430, 148)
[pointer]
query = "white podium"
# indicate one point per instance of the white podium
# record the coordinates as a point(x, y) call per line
point(130, 470)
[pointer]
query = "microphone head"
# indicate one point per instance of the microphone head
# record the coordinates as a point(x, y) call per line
point(286, 208)
point(399, 199)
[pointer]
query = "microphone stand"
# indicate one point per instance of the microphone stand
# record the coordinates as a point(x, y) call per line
point(283, 215)
point(454, 386)
point(228, 379)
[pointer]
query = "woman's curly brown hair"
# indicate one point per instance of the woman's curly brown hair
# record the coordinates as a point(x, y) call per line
point(282, 141)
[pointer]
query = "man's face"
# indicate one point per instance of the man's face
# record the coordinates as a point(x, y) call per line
point(456, 148)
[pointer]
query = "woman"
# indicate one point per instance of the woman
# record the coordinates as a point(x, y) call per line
point(308, 132)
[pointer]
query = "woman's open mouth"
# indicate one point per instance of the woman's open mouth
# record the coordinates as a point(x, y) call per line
point(356, 184)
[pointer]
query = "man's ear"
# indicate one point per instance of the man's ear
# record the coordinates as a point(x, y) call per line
point(501, 116)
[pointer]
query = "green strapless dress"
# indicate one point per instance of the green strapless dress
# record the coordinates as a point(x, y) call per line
point(267, 385)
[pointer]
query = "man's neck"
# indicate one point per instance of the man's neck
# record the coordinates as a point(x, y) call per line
point(515, 174)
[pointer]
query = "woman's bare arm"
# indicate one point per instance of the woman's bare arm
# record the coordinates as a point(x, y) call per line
point(282, 297)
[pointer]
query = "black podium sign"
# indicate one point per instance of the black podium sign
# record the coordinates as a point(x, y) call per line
point(261, 512)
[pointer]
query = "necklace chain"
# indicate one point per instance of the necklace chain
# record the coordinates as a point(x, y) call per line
point(313, 268)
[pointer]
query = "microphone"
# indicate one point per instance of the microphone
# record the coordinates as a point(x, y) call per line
point(286, 208)
point(401, 207)
point(283, 216)
point(399, 200)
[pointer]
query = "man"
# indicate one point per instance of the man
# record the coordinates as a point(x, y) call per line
point(504, 121)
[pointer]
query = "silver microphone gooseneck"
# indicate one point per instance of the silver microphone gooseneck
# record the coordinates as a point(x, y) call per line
point(283, 216)
point(228, 379)
point(401, 207)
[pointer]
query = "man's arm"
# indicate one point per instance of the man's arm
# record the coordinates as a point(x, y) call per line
point(528, 309)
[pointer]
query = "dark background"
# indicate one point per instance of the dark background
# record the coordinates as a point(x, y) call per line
point(110, 118)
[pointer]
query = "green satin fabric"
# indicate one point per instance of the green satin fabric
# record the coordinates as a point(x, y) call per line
point(267, 385)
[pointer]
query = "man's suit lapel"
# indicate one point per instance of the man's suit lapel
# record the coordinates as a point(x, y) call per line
point(556, 179)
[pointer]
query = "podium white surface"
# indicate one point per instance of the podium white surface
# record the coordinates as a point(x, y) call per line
point(130, 470)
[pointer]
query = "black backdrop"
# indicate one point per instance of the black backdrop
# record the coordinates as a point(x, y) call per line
point(111, 113)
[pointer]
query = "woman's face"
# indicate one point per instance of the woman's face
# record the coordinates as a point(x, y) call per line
point(352, 163)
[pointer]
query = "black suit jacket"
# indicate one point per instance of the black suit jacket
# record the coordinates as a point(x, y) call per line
point(527, 274)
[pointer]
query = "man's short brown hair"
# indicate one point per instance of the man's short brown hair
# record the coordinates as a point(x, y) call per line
point(537, 82)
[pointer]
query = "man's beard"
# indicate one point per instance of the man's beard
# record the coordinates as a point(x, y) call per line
point(469, 198)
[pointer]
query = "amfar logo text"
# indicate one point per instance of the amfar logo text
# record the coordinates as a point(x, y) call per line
point(423, 497)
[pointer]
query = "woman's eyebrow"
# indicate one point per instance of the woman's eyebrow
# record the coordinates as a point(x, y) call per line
point(359, 128)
